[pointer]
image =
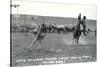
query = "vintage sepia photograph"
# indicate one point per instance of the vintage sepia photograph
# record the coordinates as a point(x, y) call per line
point(44, 33)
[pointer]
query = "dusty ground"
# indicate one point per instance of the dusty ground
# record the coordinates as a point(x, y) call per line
point(54, 45)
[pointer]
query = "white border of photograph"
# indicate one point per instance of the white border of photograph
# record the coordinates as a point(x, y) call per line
point(5, 33)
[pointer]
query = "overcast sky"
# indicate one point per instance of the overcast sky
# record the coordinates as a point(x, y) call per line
point(54, 9)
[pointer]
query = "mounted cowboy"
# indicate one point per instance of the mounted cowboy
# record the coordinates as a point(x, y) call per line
point(79, 17)
point(82, 24)
point(80, 28)
point(77, 29)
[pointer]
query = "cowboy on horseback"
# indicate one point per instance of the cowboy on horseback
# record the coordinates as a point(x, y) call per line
point(77, 30)
point(83, 25)
point(79, 17)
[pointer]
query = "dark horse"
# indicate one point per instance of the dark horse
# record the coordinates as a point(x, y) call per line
point(76, 33)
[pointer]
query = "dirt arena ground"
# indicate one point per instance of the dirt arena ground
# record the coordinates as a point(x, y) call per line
point(54, 45)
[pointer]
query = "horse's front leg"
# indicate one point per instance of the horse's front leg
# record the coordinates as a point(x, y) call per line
point(78, 37)
point(77, 40)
